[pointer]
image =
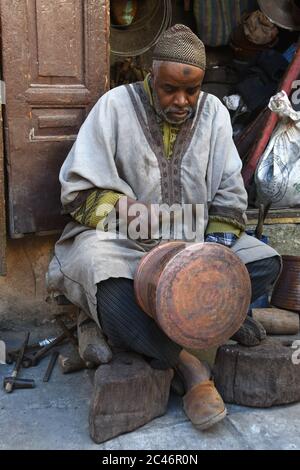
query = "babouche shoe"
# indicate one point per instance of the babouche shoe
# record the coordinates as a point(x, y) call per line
point(202, 402)
point(203, 405)
point(251, 333)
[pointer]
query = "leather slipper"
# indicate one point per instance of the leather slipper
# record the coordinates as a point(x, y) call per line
point(203, 405)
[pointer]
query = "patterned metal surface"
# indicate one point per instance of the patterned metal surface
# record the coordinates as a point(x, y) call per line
point(281, 13)
point(199, 294)
point(286, 293)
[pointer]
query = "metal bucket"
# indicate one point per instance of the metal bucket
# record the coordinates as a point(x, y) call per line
point(152, 19)
point(199, 294)
point(286, 293)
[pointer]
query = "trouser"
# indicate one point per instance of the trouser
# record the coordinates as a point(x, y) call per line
point(128, 327)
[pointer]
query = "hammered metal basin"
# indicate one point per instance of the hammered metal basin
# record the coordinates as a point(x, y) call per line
point(199, 294)
point(280, 12)
point(286, 293)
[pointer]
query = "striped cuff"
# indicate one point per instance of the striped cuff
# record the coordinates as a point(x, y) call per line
point(96, 208)
point(222, 227)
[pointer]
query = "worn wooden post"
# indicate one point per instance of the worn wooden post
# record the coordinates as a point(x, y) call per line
point(277, 321)
point(260, 376)
point(128, 393)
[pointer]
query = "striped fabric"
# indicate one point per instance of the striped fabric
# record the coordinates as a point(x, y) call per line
point(226, 239)
point(217, 18)
point(215, 226)
point(96, 207)
point(128, 327)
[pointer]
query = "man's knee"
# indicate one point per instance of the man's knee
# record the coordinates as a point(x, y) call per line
point(263, 274)
point(267, 267)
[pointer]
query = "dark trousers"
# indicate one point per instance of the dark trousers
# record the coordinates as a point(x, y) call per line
point(128, 327)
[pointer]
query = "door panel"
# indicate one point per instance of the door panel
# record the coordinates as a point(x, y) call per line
point(2, 203)
point(56, 66)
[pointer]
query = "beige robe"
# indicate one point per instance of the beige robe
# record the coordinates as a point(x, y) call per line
point(120, 148)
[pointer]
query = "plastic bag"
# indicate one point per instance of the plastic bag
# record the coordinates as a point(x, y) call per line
point(277, 175)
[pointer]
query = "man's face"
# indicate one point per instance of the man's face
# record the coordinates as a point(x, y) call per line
point(176, 89)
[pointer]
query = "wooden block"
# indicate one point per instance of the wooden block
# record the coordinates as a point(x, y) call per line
point(71, 362)
point(260, 376)
point(92, 344)
point(128, 393)
point(277, 321)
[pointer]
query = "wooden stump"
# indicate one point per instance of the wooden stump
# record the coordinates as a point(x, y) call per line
point(71, 362)
point(260, 376)
point(128, 393)
point(277, 321)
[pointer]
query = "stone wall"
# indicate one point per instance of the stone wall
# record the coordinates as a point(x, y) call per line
point(284, 238)
point(23, 291)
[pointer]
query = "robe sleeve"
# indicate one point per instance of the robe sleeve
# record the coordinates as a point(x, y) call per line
point(91, 163)
point(229, 199)
point(96, 208)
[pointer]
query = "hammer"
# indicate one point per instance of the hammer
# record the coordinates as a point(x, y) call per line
point(18, 383)
point(10, 382)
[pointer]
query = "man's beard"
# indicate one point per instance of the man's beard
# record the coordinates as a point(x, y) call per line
point(163, 113)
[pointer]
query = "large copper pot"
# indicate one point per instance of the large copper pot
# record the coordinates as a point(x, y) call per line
point(198, 294)
point(286, 293)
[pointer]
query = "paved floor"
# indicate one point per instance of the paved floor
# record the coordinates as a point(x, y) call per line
point(55, 416)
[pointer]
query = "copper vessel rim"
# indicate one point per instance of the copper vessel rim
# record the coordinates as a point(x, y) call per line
point(291, 258)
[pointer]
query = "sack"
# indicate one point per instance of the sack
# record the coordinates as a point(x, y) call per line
point(277, 174)
point(216, 19)
point(259, 29)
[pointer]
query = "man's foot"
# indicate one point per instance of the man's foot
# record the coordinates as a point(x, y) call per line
point(202, 403)
point(251, 333)
point(204, 406)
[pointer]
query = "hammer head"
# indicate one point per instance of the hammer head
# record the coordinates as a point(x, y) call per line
point(18, 383)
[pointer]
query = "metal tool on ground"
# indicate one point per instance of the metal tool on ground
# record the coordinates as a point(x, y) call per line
point(9, 384)
point(50, 367)
point(44, 351)
point(18, 383)
point(12, 354)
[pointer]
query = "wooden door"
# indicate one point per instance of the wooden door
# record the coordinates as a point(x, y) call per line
point(55, 65)
point(2, 202)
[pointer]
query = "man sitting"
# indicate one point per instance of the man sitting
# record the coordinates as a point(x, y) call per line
point(161, 141)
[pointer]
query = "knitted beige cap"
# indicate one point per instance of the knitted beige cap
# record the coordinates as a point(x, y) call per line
point(180, 44)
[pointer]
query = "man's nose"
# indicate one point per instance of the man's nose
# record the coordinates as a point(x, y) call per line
point(181, 100)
